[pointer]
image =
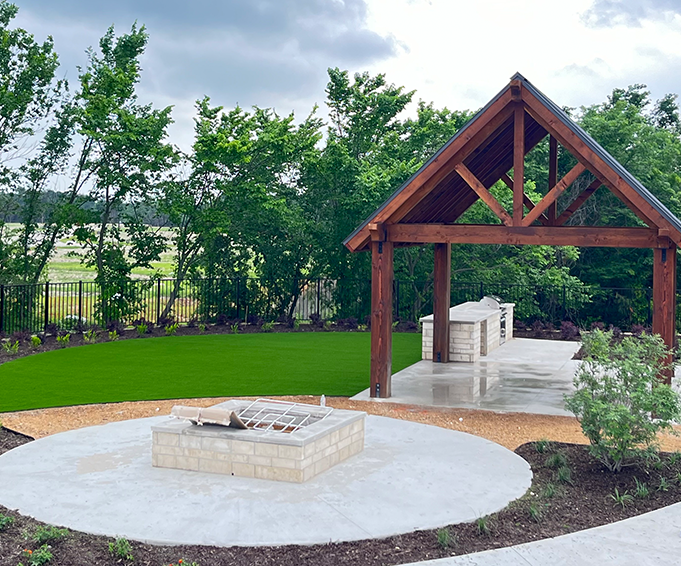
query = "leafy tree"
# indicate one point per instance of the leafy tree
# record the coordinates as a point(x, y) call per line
point(122, 160)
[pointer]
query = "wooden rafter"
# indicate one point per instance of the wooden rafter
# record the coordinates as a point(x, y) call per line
point(587, 236)
point(483, 193)
point(518, 163)
point(579, 201)
point(554, 193)
point(552, 211)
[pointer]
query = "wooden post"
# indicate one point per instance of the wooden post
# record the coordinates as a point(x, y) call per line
point(664, 298)
point(381, 312)
point(553, 178)
point(442, 275)
point(518, 163)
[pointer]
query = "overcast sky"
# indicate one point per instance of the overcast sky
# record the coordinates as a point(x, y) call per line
point(452, 52)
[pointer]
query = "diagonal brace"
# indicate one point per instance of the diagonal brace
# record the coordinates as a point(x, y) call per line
point(483, 193)
point(553, 194)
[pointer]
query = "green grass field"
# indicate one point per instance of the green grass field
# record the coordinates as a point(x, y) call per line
point(198, 366)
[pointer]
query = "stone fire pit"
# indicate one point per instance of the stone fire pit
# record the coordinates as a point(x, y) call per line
point(282, 441)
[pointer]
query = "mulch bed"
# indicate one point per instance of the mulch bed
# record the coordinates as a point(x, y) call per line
point(579, 502)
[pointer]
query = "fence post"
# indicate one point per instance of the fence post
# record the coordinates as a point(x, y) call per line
point(565, 316)
point(80, 301)
point(47, 305)
point(482, 290)
point(319, 302)
point(397, 299)
point(238, 296)
point(158, 301)
point(2, 308)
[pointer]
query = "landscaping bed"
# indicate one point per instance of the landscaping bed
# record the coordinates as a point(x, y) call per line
point(570, 492)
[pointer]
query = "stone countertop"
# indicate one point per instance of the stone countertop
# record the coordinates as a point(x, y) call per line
point(470, 312)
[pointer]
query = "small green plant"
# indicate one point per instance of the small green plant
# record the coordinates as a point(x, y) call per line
point(5, 522)
point(542, 446)
point(622, 499)
point(171, 329)
point(235, 328)
point(49, 533)
point(267, 326)
point(619, 400)
point(395, 325)
point(556, 460)
point(36, 342)
point(202, 327)
point(535, 512)
point(678, 478)
point(641, 490)
point(296, 324)
point(141, 329)
point(113, 336)
point(64, 340)
point(39, 556)
point(663, 485)
point(564, 475)
point(445, 539)
point(550, 490)
point(10, 347)
point(90, 336)
point(121, 548)
point(484, 525)
point(362, 327)
point(327, 325)
point(674, 458)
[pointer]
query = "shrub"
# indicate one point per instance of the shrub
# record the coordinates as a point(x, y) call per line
point(267, 326)
point(121, 548)
point(113, 336)
point(39, 556)
point(141, 329)
point(171, 329)
point(90, 336)
point(568, 330)
point(12, 348)
point(63, 340)
point(36, 342)
point(49, 533)
point(618, 392)
point(235, 328)
point(5, 522)
point(202, 327)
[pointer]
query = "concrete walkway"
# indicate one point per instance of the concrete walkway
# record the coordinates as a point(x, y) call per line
point(653, 539)
point(410, 476)
point(522, 375)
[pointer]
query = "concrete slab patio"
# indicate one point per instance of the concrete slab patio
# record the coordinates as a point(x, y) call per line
point(410, 476)
point(522, 375)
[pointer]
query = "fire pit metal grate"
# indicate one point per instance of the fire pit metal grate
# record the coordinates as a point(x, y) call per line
point(280, 416)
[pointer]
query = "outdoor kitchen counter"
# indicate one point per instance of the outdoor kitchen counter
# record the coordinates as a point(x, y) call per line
point(475, 329)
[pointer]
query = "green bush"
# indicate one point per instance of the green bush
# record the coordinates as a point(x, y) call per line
point(619, 400)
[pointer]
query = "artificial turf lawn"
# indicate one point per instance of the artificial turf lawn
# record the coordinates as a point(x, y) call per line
point(175, 367)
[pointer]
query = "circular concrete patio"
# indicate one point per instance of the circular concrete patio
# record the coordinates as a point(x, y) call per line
point(410, 476)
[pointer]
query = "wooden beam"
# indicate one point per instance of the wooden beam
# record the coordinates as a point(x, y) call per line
point(483, 193)
point(428, 176)
point(587, 236)
point(664, 300)
point(381, 317)
point(552, 211)
point(518, 163)
point(554, 193)
point(526, 200)
point(579, 201)
point(442, 275)
point(568, 139)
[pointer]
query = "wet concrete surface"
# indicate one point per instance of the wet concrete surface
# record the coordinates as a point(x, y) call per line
point(522, 375)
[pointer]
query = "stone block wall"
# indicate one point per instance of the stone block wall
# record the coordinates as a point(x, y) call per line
point(203, 449)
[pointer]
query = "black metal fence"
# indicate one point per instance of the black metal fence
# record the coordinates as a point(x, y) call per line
point(65, 306)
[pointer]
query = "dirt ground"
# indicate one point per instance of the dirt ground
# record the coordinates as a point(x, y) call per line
point(508, 429)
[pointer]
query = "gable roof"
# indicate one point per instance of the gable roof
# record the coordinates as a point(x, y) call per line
point(436, 194)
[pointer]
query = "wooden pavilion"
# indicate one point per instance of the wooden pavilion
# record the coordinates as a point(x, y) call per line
point(491, 148)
